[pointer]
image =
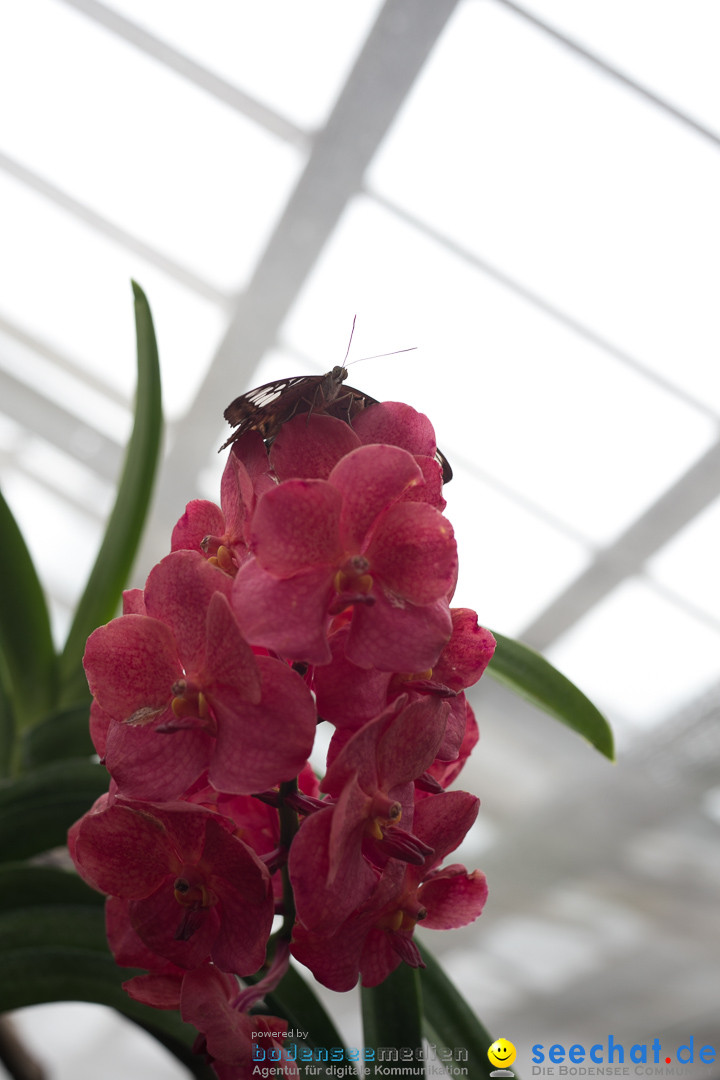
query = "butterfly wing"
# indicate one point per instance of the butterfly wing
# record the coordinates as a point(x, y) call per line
point(268, 407)
point(350, 402)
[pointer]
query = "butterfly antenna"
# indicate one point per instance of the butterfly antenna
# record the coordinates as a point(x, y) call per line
point(352, 331)
point(378, 356)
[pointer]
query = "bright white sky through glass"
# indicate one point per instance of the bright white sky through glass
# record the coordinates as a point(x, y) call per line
point(510, 390)
point(571, 184)
point(292, 57)
point(670, 48)
point(522, 154)
point(66, 562)
point(682, 565)
point(81, 283)
point(67, 389)
point(138, 143)
point(639, 656)
point(80, 1040)
point(527, 159)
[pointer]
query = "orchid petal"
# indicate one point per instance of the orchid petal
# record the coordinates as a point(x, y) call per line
point(147, 764)
point(370, 480)
point(348, 695)
point(178, 591)
point(409, 745)
point(201, 518)
point(231, 672)
point(413, 551)
point(131, 665)
point(396, 424)
point(121, 852)
point(325, 899)
point(443, 820)
point(468, 652)
point(133, 602)
point(284, 719)
point(242, 884)
point(157, 919)
point(310, 446)
point(288, 616)
point(395, 636)
point(453, 897)
point(295, 527)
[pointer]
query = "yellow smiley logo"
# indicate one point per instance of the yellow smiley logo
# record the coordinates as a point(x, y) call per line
point(502, 1053)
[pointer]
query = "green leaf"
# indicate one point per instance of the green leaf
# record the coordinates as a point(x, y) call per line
point(295, 1001)
point(74, 926)
point(7, 729)
point(531, 676)
point(65, 734)
point(59, 953)
point(392, 1017)
point(36, 976)
point(449, 1022)
point(23, 886)
point(27, 656)
point(124, 530)
point(37, 809)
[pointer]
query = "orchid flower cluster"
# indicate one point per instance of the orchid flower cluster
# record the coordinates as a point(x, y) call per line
point(317, 595)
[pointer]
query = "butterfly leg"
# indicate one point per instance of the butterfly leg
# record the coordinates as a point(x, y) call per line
point(312, 405)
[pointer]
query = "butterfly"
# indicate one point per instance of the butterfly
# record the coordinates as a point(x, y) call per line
point(268, 407)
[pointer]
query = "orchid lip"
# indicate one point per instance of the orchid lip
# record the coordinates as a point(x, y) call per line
point(348, 599)
point(189, 923)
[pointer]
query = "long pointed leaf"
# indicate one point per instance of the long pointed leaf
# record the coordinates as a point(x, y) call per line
point(531, 676)
point(59, 953)
point(122, 537)
point(37, 809)
point(392, 1020)
point(27, 654)
point(24, 886)
point(450, 1024)
point(33, 977)
point(72, 926)
point(7, 729)
point(64, 734)
point(295, 1000)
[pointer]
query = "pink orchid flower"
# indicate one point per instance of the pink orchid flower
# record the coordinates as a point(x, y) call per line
point(349, 696)
point(231, 1038)
point(221, 533)
point(187, 693)
point(371, 782)
point(350, 541)
point(372, 941)
point(194, 890)
point(310, 446)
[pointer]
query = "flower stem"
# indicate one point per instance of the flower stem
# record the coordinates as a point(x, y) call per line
point(288, 828)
